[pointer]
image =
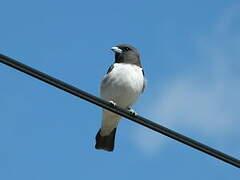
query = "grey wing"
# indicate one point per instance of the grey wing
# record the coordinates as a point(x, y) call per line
point(144, 83)
point(110, 68)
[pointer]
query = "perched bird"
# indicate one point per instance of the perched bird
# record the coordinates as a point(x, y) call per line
point(121, 86)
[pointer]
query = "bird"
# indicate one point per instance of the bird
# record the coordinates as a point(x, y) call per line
point(123, 83)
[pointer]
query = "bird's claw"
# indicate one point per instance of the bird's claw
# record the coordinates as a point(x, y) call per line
point(132, 112)
point(113, 103)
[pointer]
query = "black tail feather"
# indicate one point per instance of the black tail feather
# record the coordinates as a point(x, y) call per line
point(105, 142)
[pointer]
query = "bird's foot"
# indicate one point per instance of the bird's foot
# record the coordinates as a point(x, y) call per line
point(113, 103)
point(131, 111)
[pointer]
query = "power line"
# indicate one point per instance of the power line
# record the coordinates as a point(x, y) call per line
point(106, 105)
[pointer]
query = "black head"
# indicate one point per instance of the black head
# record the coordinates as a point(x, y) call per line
point(125, 53)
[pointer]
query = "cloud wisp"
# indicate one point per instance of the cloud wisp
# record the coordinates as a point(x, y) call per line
point(207, 105)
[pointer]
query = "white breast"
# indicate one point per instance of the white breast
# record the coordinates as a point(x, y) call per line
point(123, 84)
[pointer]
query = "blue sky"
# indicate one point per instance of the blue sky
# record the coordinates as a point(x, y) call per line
point(190, 54)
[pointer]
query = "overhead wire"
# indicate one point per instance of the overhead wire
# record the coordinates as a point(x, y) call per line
point(115, 109)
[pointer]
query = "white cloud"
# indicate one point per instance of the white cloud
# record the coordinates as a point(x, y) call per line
point(208, 105)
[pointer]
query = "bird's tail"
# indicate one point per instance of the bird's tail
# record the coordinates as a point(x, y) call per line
point(105, 142)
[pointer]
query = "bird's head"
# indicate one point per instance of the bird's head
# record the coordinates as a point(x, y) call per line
point(125, 53)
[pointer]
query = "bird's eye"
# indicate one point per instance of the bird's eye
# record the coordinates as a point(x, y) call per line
point(127, 48)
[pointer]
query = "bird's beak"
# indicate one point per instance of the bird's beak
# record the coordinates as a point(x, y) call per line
point(116, 49)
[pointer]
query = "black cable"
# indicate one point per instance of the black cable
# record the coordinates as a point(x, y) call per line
point(106, 105)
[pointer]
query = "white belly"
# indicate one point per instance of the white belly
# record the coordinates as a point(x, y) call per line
point(123, 84)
